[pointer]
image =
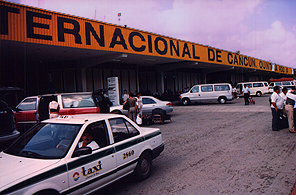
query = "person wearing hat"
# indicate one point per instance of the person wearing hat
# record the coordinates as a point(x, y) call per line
point(87, 140)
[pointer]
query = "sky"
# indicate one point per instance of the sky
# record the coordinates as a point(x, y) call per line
point(263, 29)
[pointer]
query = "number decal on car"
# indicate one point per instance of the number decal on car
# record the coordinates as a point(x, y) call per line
point(128, 154)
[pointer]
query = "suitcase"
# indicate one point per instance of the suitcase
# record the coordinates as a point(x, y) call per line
point(147, 120)
point(159, 116)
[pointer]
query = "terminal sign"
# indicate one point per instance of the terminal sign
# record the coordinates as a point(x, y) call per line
point(27, 24)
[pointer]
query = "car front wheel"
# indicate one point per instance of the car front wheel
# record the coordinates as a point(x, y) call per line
point(185, 101)
point(143, 169)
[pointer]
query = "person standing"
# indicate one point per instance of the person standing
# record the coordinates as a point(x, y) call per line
point(246, 92)
point(105, 104)
point(133, 108)
point(275, 103)
point(139, 104)
point(282, 107)
point(283, 99)
point(53, 108)
point(124, 96)
point(291, 109)
point(234, 91)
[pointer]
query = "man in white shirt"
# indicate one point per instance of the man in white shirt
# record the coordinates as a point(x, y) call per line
point(246, 92)
point(275, 105)
point(234, 91)
point(283, 99)
point(87, 141)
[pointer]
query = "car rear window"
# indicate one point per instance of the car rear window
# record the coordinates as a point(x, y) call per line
point(222, 87)
point(122, 129)
point(77, 101)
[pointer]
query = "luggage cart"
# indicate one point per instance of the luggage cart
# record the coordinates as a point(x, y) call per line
point(159, 116)
point(251, 100)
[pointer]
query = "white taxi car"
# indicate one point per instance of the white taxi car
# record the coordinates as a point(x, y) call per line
point(47, 159)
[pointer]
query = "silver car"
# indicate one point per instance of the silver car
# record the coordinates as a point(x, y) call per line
point(149, 103)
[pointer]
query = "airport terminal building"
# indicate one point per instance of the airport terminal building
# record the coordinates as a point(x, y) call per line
point(44, 51)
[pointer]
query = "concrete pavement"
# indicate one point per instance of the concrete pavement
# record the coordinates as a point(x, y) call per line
point(216, 148)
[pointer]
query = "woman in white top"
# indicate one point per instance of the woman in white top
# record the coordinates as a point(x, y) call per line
point(139, 103)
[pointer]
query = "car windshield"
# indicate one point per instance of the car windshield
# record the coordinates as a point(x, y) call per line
point(45, 141)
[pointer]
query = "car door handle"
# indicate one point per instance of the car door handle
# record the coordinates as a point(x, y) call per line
point(35, 113)
point(139, 140)
point(108, 152)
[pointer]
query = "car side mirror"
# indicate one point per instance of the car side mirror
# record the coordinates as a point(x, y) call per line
point(82, 151)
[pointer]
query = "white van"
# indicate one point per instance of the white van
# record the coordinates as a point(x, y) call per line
point(281, 84)
point(256, 88)
point(221, 92)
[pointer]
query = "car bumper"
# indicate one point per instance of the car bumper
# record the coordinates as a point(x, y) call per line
point(156, 152)
point(171, 109)
point(10, 136)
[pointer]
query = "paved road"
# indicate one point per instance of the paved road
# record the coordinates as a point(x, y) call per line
point(219, 149)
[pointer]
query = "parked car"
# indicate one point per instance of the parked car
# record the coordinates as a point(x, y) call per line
point(8, 131)
point(150, 103)
point(221, 92)
point(47, 159)
point(256, 88)
point(34, 109)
